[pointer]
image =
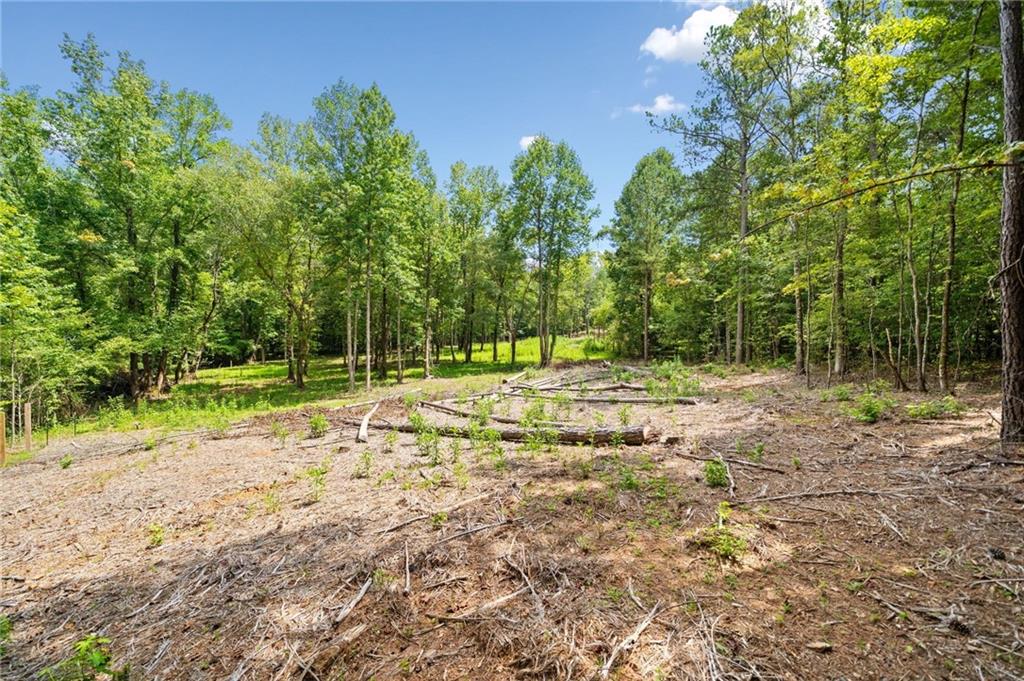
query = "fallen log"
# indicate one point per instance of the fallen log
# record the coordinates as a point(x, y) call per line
point(571, 435)
point(596, 388)
point(624, 400)
point(445, 409)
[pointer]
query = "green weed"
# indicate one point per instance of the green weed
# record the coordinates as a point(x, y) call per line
point(318, 425)
point(715, 473)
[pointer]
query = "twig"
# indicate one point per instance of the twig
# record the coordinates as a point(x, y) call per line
point(350, 606)
point(424, 516)
point(627, 643)
point(408, 581)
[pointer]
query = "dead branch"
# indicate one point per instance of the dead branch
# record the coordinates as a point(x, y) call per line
point(363, 435)
point(574, 435)
point(627, 643)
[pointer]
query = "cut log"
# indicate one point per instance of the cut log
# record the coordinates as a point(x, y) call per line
point(445, 409)
point(363, 435)
point(596, 388)
point(623, 400)
point(628, 435)
point(513, 379)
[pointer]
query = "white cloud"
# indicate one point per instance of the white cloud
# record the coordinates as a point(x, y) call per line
point(686, 43)
point(663, 104)
point(526, 140)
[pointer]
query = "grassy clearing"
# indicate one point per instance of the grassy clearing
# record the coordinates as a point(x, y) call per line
point(223, 395)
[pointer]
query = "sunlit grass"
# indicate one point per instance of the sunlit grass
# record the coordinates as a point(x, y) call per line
point(220, 396)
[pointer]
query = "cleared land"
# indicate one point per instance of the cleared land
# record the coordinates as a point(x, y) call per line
point(847, 549)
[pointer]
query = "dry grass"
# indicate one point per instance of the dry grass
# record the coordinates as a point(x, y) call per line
point(891, 550)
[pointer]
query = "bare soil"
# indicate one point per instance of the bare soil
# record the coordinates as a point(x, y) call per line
point(891, 550)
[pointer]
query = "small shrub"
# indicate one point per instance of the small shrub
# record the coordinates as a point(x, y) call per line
point(149, 443)
point(482, 411)
point(715, 473)
point(91, 661)
point(840, 393)
point(156, 535)
point(390, 440)
point(280, 433)
point(722, 541)
point(66, 461)
point(625, 414)
point(318, 425)
point(870, 407)
point(5, 634)
point(716, 370)
point(364, 466)
point(461, 474)
point(756, 454)
point(438, 520)
point(271, 501)
point(934, 409)
point(317, 480)
point(411, 400)
point(628, 480)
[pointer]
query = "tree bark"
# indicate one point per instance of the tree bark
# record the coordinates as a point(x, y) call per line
point(947, 278)
point(1011, 273)
point(741, 282)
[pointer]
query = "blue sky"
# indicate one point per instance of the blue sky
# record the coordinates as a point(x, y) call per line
point(471, 80)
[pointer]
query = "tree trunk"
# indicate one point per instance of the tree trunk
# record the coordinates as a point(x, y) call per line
point(398, 333)
point(947, 278)
point(741, 281)
point(350, 354)
point(368, 340)
point(839, 299)
point(646, 303)
point(1011, 279)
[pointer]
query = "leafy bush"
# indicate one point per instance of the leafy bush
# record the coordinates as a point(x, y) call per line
point(715, 370)
point(92, 661)
point(5, 633)
point(719, 538)
point(715, 473)
point(66, 461)
point(318, 425)
point(156, 535)
point(934, 409)
point(840, 393)
point(870, 407)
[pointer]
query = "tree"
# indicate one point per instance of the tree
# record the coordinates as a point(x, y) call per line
point(474, 195)
point(1011, 272)
point(551, 197)
point(646, 215)
point(728, 127)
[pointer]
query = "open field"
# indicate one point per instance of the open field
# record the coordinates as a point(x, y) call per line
point(225, 394)
point(844, 549)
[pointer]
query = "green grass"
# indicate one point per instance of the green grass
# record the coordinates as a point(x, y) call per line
point(220, 396)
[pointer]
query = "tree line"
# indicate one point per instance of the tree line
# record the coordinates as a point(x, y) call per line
point(140, 244)
point(837, 198)
point(843, 199)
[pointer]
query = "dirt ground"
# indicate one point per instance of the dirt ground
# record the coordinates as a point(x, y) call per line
point(892, 550)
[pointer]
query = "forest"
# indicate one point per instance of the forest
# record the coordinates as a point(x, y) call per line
point(833, 202)
point(803, 323)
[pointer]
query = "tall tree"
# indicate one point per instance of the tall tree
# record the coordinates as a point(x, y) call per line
point(646, 215)
point(1011, 271)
